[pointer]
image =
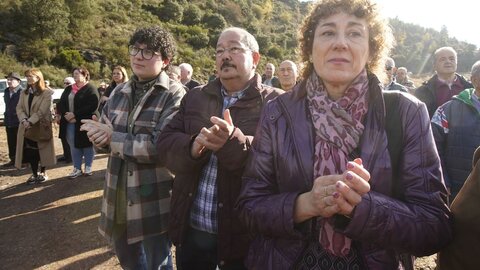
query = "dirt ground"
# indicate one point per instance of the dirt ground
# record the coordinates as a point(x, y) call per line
point(53, 225)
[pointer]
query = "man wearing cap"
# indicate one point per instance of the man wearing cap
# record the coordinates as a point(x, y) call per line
point(11, 96)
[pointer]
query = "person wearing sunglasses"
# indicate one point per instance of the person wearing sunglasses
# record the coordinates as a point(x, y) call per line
point(390, 70)
point(136, 200)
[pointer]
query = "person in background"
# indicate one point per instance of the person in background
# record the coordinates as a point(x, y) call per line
point(67, 155)
point(102, 88)
point(79, 101)
point(445, 83)
point(33, 106)
point(186, 72)
point(174, 73)
point(288, 75)
point(390, 70)
point(11, 96)
point(136, 199)
point(401, 77)
point(269, 77)
point(119, 75)
point(206, 145)
point(317, 191)
point(462, 252)
point(456, 129)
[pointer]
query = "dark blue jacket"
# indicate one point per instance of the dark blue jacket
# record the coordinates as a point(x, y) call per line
point(281, 167)
point(456, 129)
point(10, 116)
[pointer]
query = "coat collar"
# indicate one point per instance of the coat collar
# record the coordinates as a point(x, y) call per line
point(253, 91)
point(297, 114)
point(162, 82)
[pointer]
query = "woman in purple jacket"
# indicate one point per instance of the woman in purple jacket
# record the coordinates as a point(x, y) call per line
point(317, 190)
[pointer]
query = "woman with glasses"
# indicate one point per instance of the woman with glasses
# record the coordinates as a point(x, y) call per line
point(34, 106)
point(79, 101)
point(119, 75)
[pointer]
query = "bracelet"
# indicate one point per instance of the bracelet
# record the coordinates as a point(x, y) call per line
point(233, 132)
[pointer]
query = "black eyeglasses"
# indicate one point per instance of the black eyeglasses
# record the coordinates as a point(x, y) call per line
point(147, 54)
point(388, 68)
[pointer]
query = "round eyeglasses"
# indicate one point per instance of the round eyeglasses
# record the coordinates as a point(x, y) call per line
point(147, 54)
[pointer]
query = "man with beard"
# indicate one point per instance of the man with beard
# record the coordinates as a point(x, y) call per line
point(206, 146)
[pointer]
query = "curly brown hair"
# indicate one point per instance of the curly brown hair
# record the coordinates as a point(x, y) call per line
point(380, 34)
point(157, 39)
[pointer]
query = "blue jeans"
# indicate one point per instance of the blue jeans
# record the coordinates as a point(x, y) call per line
point(151, 253)
point(79, 153)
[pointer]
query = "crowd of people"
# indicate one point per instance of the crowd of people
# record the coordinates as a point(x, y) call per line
point(299, 171)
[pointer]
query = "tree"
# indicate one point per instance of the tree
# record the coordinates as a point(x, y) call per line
point(170, 11)
point(44, 20)
point(192, 15)
point(214, 21)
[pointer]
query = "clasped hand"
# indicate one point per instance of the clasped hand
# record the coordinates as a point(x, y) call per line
point(334, 194)
point(70, 117)
point(98, 133)
point(214, 137)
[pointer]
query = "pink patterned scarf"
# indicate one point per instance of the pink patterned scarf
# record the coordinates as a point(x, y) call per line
point(338, 127)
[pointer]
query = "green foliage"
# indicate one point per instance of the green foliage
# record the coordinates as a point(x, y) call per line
point(60, 34)
point(69, 58)
point(36, 52)
point(416, 45)
point(275, 52)
point(9, 64)
point(214, 21)
point(197, 37)
point(54, 75)
point(44, 20)
point(192, 15)
point(170, 11)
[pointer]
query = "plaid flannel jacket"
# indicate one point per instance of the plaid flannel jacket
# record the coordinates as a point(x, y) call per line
point(148, 183)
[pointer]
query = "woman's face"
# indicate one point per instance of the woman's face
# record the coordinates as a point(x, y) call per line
point(31, 79)
point(78, 77)
point(340, 48)
point(117, 75)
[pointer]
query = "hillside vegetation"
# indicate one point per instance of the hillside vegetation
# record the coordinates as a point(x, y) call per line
point(56, 35)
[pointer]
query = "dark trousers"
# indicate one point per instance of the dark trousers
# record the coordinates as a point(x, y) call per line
point(12, 141)
point(66, 149)
point(199, 252)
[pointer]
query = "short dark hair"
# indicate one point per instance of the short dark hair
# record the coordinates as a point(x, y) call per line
point(83, 71)
point(157, 39)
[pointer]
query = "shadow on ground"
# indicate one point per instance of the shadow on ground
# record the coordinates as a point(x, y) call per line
point(52, 225)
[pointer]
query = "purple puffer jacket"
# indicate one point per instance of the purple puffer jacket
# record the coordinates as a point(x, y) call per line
point(281, 167)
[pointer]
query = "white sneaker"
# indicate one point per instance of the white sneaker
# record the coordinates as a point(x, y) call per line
point(42, 177)
point(75, 173)
point(88, 170)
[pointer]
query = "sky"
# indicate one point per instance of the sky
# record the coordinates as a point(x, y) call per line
point(459, 16)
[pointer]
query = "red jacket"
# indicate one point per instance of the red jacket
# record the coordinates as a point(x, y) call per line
point(174, 143)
